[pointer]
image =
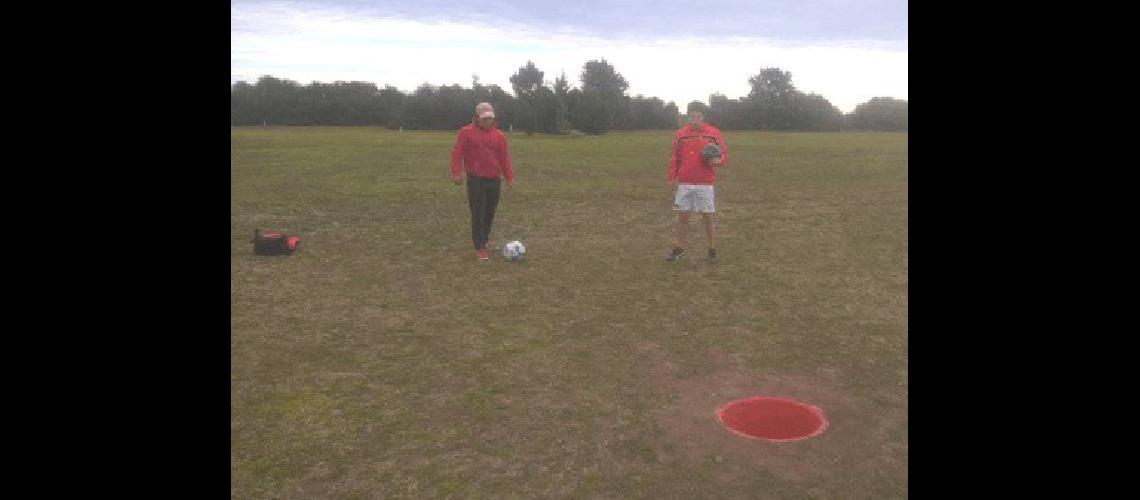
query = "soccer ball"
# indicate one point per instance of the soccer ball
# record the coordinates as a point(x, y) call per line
point(710, 151)
point(514, 251)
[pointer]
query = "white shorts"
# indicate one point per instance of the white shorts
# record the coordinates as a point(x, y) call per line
point(695, 198)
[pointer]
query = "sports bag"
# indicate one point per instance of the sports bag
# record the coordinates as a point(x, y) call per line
point(273, 243)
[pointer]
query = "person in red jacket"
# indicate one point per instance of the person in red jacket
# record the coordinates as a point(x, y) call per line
point(693, 177)
point(481, 150)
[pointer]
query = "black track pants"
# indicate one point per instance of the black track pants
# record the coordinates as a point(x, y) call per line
point(483, 198)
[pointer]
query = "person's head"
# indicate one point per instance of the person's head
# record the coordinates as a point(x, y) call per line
point(484, 115)
point(696, 112)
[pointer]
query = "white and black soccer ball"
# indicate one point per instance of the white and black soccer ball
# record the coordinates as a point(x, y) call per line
point(514, 251)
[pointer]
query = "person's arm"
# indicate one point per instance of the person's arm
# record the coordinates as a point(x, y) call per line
point(457, 157)
point(505, 159)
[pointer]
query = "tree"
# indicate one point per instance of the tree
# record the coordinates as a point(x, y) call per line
point(605, 82)
point(526, 117)
point(651, 113)
point(420, 109)
point(881, 113)
point(527, 83)
point(455, 107)
point(728, 113)
point(771, 82)
point(504, 105)
point(590, 113)
point(276, 101)
point(623, 112)
point(600, 76)
point(242, 111)
point(674, 114)
point(389, 106)
point(770, 98)
point(599, 105)
point(527, 80)
point(561, 86)
point(546, 110)
point(814, 112)
point(562, 95)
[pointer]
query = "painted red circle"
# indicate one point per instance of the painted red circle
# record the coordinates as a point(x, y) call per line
point(772, 418)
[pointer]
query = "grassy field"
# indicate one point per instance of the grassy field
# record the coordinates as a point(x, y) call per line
point(384, 361)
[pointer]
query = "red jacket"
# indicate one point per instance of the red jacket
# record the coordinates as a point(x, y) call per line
point(482, 153)
point(686, 164)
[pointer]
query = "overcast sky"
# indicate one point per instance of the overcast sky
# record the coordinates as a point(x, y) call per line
point(847, 51)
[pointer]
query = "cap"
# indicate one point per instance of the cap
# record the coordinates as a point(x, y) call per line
point(484, 110)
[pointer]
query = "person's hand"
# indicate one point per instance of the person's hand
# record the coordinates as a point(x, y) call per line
point(716, 162)
point(673, 185)
point(456, 180)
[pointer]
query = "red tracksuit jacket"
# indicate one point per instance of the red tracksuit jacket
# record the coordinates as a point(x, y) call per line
point(481, 153)
point(686, 165)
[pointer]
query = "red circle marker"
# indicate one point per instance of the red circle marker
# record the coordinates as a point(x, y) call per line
point(772, 419)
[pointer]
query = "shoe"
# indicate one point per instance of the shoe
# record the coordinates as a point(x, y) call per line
point(712, 256)
point(675, 255)
point(481, 254)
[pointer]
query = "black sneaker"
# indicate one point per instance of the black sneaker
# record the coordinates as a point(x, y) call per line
point(675, 255)
point(712, 256)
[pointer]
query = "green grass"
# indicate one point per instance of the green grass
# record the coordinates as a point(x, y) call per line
point(383, 361)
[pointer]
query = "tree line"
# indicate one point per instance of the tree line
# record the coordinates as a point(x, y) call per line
point(598, 104)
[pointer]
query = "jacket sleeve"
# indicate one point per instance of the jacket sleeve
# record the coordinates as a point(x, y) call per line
point(505, 158)
point(457, 155)
point(674, 160)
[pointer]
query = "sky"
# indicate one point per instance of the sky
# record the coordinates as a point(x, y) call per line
point(847, 51)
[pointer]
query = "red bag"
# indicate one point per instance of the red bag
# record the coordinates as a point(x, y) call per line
point(273, 243)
